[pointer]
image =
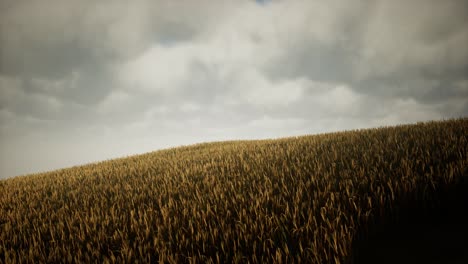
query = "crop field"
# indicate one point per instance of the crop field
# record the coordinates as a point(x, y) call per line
point(308, 199)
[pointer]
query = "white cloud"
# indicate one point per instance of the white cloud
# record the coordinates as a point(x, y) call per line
point(406, 111)
point(258, 90)
point(338, 100)
point(113, 102)
point(190, 107)
point(268, 126)
point(159, 69)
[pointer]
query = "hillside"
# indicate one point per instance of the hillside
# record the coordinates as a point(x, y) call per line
point(314, 198)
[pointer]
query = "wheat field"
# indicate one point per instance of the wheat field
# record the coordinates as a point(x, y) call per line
point(302, 199)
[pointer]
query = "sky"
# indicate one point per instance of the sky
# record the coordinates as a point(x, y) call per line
point(83, 80)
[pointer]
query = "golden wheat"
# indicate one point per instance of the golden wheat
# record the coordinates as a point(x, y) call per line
point(301, 199)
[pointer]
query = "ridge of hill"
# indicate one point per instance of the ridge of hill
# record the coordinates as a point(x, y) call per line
point(311, 198)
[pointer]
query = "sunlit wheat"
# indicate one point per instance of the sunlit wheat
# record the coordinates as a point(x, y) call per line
point(302, 199)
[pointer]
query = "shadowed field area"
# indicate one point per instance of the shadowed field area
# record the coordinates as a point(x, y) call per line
point(439, 235)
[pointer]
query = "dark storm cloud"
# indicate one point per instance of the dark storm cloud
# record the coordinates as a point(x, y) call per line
point(38, 41)
point(83, 36)
point(390, 50)
point(65, 53)
point(329, 59)
point(61, 57)
point(86, 85)
point(419, 51)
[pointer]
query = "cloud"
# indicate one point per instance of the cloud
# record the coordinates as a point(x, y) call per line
point(112, 78)
point(414, 50)
point(113, 102)
point(254, 89)
point(160, 69)
point(433, 39)
point(32, 105)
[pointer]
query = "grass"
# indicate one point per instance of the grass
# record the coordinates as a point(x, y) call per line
point(313, 199)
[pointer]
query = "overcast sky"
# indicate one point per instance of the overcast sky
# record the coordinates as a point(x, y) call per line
point(83, 81)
